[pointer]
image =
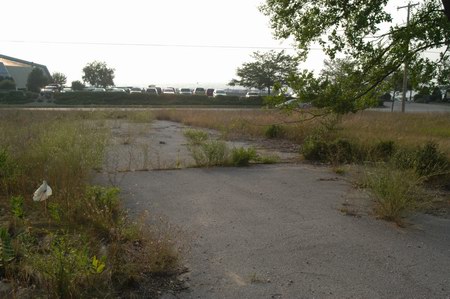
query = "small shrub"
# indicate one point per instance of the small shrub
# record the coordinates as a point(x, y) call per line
point(7, 84)
point(15, 97)
point(66, 267)
point(341, 151)
point(100, 208)
point(17, 206)
point(336, 152)
point(242, 156)
point(274, 131)
point(315, 149)
point(382, 151)
point(430, 161)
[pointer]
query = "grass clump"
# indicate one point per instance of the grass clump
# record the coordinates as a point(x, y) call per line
point(208, 152)
point(242, 156)
point(274, 131)
point(396, 193)
point(195, 137)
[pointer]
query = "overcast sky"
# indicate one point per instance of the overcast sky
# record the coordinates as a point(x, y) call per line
point(146, 42)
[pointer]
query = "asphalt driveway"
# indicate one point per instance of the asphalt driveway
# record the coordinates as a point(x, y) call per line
point(278, 232)
point(281, 231)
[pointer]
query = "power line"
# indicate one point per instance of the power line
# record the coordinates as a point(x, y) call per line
point(162, 45)
point(152, 45)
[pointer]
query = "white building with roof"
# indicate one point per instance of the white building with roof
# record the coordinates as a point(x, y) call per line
point(19, 69)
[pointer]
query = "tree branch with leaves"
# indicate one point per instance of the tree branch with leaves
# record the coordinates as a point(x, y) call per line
point(350, 28)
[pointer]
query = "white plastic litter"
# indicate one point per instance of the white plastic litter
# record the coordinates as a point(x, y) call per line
point(43, 192)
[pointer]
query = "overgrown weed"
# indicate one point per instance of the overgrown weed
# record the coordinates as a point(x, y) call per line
point(397, 193)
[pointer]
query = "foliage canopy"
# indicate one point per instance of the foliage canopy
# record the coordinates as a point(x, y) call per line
point(36, 80)
point(352, 29)
point(266, 70)
point(77, 85)
point(59, 78)
point(7, 83)
point(98, 74)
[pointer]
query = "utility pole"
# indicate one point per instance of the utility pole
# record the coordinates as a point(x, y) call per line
point(405, 70)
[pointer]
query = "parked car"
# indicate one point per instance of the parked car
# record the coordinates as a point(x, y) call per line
point(152, 90)
point(116, 89)
point(294, 103)
point(98, 89)
point(66, 89)
point(210, 92)
point(185, 91)
point(135, 90)
point(199, 91)
point(49, 90)
point(219, 93)
point(252, 94)
point(169, 90)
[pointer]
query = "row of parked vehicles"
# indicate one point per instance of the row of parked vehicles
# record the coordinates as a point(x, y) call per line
point(49, 90)
point(210, 92)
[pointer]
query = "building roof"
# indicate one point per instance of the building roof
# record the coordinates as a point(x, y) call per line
point(18, 62)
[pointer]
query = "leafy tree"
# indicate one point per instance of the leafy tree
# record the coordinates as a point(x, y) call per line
point(267, 70)
point(352, 27)
point(36, 80)
point(7, 83)
point(59, 78)
point(77, 85)
point(98, 74)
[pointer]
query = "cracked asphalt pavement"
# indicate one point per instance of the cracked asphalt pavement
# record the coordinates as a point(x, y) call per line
point(278, 231)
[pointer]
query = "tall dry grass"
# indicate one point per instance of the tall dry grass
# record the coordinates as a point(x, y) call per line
point(410, 130)
point(237, 123)
point(366, 127)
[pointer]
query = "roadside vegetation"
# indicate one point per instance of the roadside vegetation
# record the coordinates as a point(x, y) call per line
point(80, 242)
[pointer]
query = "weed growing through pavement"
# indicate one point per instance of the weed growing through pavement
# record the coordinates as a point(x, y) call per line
point(242, 156)
point(208, 152)
point(397, 193)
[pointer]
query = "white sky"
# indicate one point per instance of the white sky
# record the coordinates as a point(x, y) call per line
point(31, 23)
